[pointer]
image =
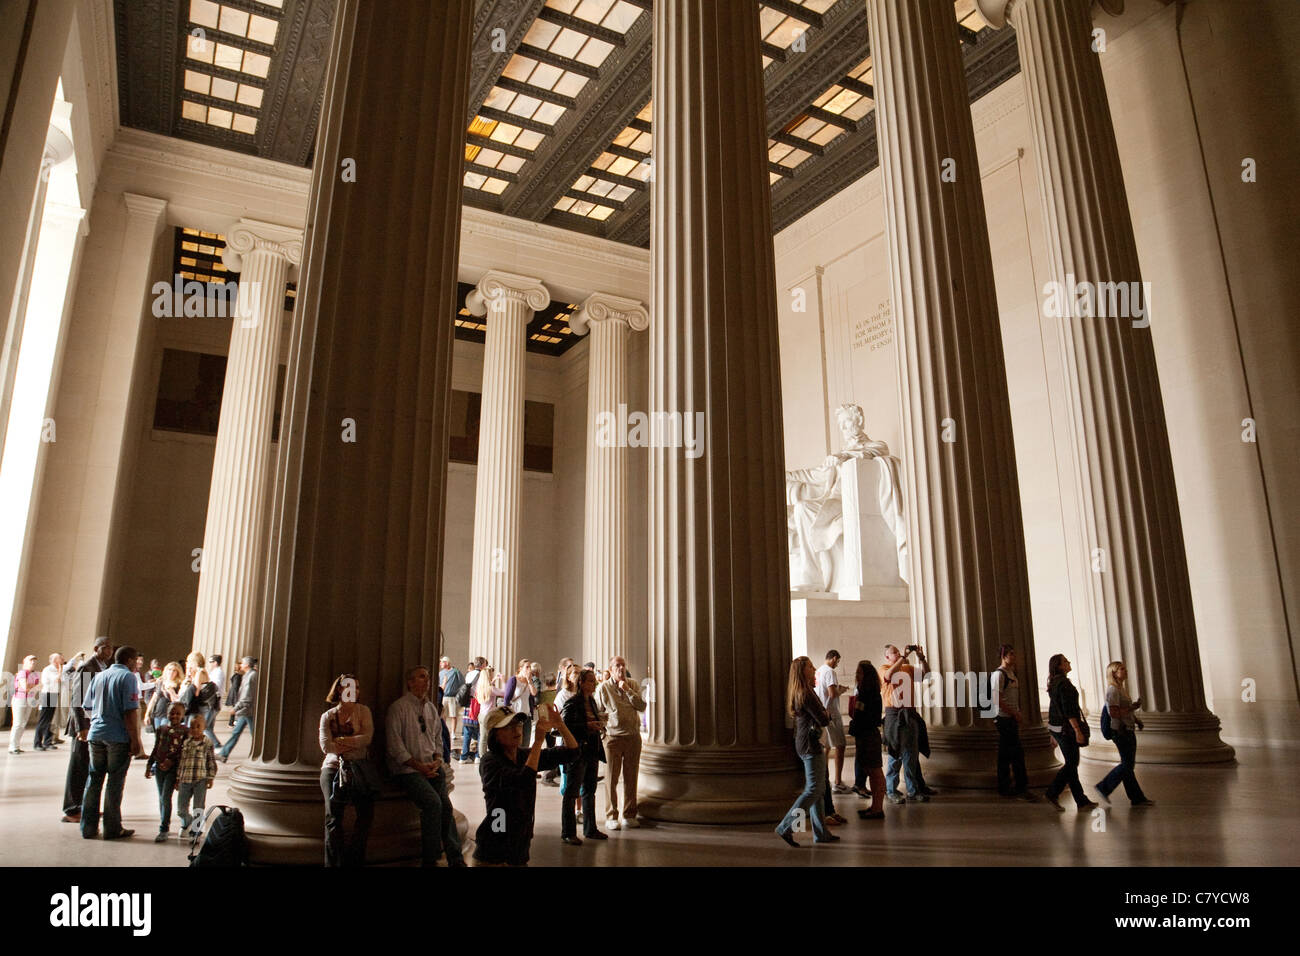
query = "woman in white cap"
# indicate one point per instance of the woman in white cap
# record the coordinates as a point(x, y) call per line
point(509, 777)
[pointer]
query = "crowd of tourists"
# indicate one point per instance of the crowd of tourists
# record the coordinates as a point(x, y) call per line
point(884, 720)
point(522, 729)
point(112, 708)
point(562, 726)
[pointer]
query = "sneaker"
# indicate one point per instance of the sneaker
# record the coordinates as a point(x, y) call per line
point(595, 835)
point(896, 798)
point(1105, 797)
point(1088, 805)
point(862, 792)
point(119, 835)
point(570, 841)
point(612, 824)
point(835, 820)
point(840, 788)
point(828, 838)
point(871, 814)
point(787, 838)
point(929, 791)
point(631, 823)
point(545, 782)
point(161, 837)
point(1054, 801)
point(71, 818)
point(919, 797)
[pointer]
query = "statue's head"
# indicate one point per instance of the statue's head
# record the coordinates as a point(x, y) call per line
point(851, 422)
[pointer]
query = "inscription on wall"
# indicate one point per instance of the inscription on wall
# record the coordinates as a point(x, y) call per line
point(876, 330)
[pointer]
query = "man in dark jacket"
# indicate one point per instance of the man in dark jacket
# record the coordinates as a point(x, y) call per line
point(80, 680)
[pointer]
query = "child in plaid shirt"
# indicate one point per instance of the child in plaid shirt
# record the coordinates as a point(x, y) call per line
point(164, 763)
point(196, 775)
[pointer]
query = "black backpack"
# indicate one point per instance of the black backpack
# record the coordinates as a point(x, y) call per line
point(224, 844)
point(466, 692)
point(1105, 723)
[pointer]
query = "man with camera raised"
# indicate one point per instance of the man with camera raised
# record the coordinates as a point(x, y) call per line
point(903, 725)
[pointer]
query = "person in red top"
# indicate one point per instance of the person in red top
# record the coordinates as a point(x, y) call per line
point(163, 762)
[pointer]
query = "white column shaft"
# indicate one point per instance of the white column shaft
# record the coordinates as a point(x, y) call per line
point(230, 580)
point(494, 587)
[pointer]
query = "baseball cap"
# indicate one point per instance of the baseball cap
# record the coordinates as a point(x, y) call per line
point(497, 718)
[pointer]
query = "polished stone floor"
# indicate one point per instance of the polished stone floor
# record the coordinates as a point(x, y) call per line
point(1243, 814)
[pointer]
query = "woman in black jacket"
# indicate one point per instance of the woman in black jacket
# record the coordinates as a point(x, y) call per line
point(198, 695)
point(809, 719)
point(582, 720)
point(864, 725)
point(1065, 721)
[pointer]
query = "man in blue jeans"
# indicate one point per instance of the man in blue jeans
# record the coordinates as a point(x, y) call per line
point(415, 758)
point(245, 706)
point(113, 703)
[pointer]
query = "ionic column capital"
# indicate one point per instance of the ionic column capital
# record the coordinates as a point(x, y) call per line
point(996, 13)
point(506, 286)
point(602, 307)
point(251, 235)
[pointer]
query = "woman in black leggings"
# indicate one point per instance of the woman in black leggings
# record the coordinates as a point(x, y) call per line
point(1065, 721)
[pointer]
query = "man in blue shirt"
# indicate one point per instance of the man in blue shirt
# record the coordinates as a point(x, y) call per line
point(113, 704)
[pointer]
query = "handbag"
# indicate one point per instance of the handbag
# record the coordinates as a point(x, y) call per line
point(356, 780)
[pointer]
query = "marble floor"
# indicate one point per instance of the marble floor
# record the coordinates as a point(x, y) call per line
point(1237, 815)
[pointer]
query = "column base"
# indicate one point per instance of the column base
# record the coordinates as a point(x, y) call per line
point(721, 786)
point(284, 818)
point(967, 757)
point(1167, 738)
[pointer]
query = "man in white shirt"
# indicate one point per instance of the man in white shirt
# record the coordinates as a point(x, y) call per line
point(51, 678)
point(217, 675)
point(829, 690)
point(1011, 755)
point(414, 732)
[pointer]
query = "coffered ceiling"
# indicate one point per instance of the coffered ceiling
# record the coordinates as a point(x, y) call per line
point(560, 125)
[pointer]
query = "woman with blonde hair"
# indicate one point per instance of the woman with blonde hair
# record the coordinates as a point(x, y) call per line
point(802, 703)
point(1124, 725)
point(167, 691)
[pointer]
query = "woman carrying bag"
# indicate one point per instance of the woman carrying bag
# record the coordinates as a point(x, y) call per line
point(1124, 725)
point(1065, 721)
point(347, 776)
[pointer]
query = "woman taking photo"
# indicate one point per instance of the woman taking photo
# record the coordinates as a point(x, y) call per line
point(864, 727)
point(1124, 725)
point(509, 776)
point(809, 719)
point(347, 776)
point(1065, 721)
point(580, 780)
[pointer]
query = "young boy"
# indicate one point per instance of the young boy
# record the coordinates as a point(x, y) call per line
point(197, 774)
point(165, 762)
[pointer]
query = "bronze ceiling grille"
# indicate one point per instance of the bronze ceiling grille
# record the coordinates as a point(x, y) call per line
point(561, 127)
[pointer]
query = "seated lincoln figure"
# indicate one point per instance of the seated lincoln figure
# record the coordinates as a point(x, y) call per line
point(814, 506)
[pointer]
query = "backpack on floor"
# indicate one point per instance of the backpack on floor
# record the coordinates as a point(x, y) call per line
point(224, 843)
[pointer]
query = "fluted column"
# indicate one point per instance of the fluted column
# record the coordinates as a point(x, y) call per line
point(719, 603)
point(509, 302)
point(969, 586)
point(604, 557)
point(234, 552)
point(1139, 599)
point(355, 572)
